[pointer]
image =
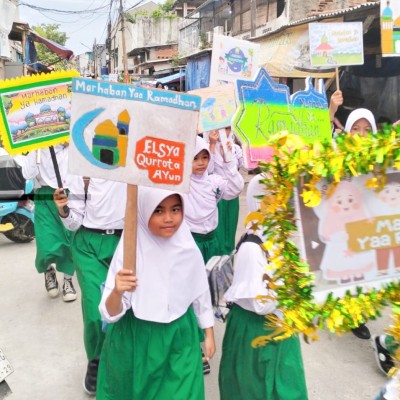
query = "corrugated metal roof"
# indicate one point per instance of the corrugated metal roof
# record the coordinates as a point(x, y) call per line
point(323, 15)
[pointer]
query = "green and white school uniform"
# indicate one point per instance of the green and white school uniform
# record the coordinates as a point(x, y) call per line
point(99, 221)
point(228, 210)
point(151, 350)
point(201, 203)
point(53, 241)
point(271, 372)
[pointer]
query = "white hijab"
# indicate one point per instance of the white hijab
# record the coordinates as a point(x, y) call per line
point(357, 114)
point(171, 272)
point(254, 189)
point(251, 262)
point(200, 201)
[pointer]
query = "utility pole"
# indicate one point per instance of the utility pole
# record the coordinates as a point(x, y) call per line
point(124, 61)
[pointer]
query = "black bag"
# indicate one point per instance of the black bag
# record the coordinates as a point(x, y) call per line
point(220, 276)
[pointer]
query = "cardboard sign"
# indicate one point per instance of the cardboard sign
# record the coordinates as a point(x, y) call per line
point(352, 237)
point(131, 134)
point(390, 39)
point(266, 108)
point(335, 44)
point(233, 59)
point(35, 111)
point(218, 105)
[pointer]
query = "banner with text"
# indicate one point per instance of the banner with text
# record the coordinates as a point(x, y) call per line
point(35, 111)
point(132, 134)
point(266, 108)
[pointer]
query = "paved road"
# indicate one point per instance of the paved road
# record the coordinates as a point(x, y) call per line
point(42, 338)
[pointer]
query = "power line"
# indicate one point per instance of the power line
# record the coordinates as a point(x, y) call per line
point(66, 12)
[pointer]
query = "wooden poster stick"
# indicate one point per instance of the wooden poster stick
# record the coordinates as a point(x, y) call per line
point(130, 229)
point(337, 78)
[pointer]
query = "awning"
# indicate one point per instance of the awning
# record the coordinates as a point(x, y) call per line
point(172, 78)
point(61, 51)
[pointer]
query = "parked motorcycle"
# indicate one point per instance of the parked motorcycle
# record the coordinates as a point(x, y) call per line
point(16, 209)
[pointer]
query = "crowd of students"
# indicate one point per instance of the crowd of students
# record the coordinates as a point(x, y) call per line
point(142, 331)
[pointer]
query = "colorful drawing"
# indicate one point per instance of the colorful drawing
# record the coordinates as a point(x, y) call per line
point(351, 236)
point(335, 44)
point(35, 111)
point(110, 141)
point(390, 28)
point(266, 108)
point(218, 105)
point(121, 140)
point(233, 59)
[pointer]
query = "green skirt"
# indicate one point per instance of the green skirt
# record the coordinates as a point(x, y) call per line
point(272, 372)
point(228, 216)
point(53, 240)
point(93, 253)
point(208, 244)
point(143, 360)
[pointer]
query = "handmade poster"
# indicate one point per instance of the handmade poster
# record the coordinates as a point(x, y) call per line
point(390, 28)
point(35, 111)
point(352, 238)
point(131, 134)
point(233, 59)
point(266, 108)
point(335, 44)
point(218, 105)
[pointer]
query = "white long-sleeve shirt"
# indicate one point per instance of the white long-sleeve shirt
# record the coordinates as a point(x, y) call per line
point(201, 212)
point(43, 172)
point(104, 207)
point(248, 281)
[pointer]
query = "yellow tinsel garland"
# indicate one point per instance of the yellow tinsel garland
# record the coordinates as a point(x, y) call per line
point(296, 161)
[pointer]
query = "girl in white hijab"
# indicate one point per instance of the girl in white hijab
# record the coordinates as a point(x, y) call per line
point(152, 347)
point(201, 203)
point(271, 372)
point(360, 121)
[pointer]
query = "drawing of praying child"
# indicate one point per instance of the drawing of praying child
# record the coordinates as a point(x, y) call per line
point(339, 263)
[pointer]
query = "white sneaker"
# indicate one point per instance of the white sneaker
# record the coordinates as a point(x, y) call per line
point(50, 281)
point(69, 292)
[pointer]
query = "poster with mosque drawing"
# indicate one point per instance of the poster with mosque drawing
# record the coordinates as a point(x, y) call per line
point(266, 108)
point(390, 28)
point(131, 134)
point(352, 238)
point(233, 59)
point(35, 111)
point(336, 43)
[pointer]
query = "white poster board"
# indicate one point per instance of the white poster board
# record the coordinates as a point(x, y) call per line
point(131, 134)
point(333, 44)
point(233, 59)
point(352, 238)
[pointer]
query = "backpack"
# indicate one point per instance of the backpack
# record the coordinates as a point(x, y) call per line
point(220, 276)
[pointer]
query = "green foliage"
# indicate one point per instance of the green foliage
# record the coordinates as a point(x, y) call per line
point(52, 32)
point(164, 10)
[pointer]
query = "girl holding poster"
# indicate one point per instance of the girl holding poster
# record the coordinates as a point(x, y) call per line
point(205, 192)
point(152, 343)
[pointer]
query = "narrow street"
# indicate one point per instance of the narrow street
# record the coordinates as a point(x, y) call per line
point(42, 338)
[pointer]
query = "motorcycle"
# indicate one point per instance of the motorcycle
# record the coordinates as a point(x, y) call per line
point(16, 209)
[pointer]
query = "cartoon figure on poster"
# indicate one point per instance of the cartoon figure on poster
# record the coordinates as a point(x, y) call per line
point(232, 59)
point(343, 206)
point(386, 203)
